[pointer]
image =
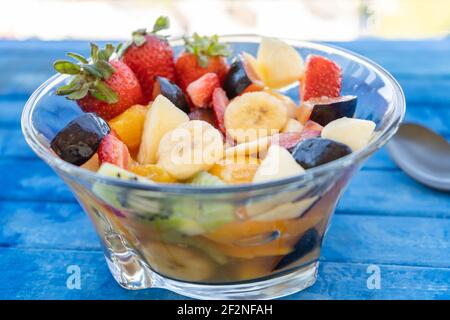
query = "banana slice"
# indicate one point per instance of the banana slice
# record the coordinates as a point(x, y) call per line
point(290, 105)
point(190, 148)
point(162, 117)
point(254, 115)
point(178, 263)
point(253, 148)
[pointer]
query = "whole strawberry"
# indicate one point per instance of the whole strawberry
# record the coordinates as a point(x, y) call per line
point(102, 86)
point(202, 55)
point(149, 55)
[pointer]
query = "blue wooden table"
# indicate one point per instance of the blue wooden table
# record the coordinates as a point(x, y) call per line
point(384, 222)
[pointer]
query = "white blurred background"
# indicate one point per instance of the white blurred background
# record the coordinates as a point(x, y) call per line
point(304, 19)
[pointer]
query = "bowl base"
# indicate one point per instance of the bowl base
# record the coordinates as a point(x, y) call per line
point(285, 285)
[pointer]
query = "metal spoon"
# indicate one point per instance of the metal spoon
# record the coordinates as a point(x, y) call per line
point(422, 154)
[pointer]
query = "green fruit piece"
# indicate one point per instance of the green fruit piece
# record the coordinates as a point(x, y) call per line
point(206, 179)
point(192, 216)
point(174, 237)
point(114, 195)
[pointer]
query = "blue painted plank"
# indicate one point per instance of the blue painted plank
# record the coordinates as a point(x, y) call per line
point(46, 225)
point(351, 238)
point(42, 274)
point(392, 193)
point(413, 241)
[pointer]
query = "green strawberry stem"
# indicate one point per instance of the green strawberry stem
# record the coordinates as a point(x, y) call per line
point(138, 36)
point(204, 47)
point(88, 77)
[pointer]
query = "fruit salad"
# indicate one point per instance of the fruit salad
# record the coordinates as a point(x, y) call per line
point(209, 117)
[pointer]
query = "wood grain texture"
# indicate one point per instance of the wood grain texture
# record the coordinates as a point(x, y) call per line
point(43, 275)
point(384, 217)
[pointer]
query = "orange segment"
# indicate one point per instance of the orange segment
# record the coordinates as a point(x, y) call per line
point(129, 125)
point(237, 230)
point(274, 248)
point(303, 113)
point(235, 170)
point(153, 172)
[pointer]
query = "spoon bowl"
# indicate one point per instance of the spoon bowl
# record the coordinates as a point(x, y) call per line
point(423, 154)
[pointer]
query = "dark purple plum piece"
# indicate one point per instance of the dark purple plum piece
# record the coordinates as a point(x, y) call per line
point(326, 110)
point(314, 152)
point(172, 92)
point(79, 140)
point(236, 80)
point(308, 242)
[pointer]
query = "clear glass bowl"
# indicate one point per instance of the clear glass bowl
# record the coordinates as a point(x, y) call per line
point(150, 233)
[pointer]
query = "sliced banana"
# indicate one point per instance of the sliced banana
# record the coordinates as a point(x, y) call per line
point(254, 115)
point(177, 262)
point(290, 210)
point(190, 148)
point(277, 164)
point(279, 64)
point(292, 125)
point(256, 147)
point(356, 133)
point(162, 117)
point(291, 106)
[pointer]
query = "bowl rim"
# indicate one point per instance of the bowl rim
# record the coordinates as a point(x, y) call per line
point(397, 112)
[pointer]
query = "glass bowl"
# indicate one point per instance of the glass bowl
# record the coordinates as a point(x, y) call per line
point(255, 241)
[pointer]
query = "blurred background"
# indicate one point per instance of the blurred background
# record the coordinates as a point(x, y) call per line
point(306, 19)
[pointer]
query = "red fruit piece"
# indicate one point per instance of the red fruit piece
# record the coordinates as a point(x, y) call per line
point(322, 77)
point(149, 56)
point(219, 103)
point(105, 87)
point(311, 130)
point(201, 90)
point(204, 115)
point(114, 151)
point(202, 55)
point(287, 140)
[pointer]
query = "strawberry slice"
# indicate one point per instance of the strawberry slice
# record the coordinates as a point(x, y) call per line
point(219, 103)
point(114, 151)
point(323, 77)
point(201, 90)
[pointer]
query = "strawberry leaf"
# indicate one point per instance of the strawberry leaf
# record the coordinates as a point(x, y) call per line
point(78, 57)
point(204, 47)
point(66, 67)
point(79, 94)
point(89, 76)
point(161, 23)
point(93, 70)
point(105, 54)
point(105, 68)
point(105, 92)
point(94, 52)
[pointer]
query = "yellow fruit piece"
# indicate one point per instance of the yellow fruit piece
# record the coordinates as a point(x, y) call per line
point(290, 105)
point(279, 64)
point(153, 172)
point(129, 124)
point(239, 169)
